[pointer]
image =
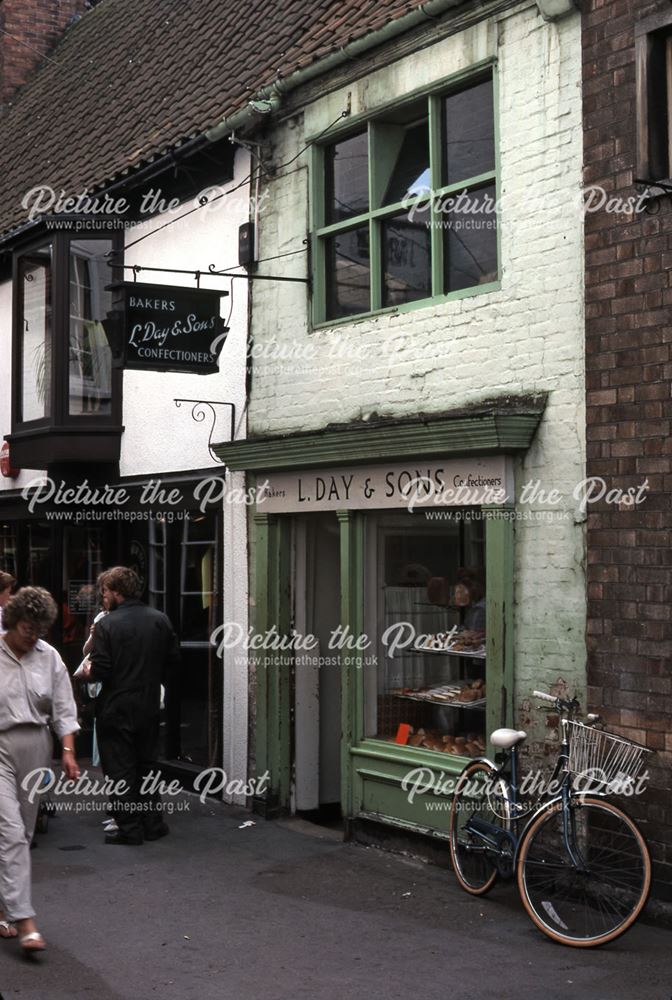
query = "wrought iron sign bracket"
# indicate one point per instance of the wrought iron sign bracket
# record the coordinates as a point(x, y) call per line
point(212, 272)
point(201, 409)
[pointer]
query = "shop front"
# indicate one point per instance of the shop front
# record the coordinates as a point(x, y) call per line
point(176, 551)
point(383, 583)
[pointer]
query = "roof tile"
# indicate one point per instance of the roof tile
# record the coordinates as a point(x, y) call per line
point(132, 79)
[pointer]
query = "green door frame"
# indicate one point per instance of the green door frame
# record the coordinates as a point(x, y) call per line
point(273, 744)
point(352, 528)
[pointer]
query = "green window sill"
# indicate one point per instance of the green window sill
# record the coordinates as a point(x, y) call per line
point(438, 300)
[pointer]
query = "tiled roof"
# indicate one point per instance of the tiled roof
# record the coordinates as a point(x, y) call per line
point(133, 78)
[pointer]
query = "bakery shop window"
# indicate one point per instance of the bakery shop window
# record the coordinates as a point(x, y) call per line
point(426, 603)
point(405, 204)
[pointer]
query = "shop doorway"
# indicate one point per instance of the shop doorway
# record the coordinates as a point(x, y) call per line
point(317, 688)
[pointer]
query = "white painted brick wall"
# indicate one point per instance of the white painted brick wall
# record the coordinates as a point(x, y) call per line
point(526, 337)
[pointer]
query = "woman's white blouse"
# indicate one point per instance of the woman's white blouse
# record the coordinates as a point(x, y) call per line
point(36, 689)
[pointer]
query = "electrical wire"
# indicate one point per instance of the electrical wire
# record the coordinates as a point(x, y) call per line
point(223, 194)
point(27, 45)
point(262, 260)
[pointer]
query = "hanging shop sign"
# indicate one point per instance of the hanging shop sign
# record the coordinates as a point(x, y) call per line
point(171, 329)
point(414, 485)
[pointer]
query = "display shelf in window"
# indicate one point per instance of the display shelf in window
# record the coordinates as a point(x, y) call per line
point(465, 643)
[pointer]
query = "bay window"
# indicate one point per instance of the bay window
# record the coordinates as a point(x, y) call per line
point(66, 403)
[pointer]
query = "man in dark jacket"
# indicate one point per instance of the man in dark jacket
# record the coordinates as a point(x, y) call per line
point(134, 647)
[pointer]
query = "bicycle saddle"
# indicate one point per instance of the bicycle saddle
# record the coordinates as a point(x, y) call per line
point(507, 738)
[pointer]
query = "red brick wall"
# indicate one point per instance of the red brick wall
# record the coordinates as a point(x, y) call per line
point(628, 372)
point(35, 27)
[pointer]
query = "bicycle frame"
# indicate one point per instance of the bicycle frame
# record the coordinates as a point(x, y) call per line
point(491, 834)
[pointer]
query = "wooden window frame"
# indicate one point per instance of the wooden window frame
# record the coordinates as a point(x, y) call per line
point(59, 433)
point(321, 231)
point(653, 58)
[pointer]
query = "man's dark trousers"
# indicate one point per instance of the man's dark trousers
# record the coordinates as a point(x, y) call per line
point(128, 752)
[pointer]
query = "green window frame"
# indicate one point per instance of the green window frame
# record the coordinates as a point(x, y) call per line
point(429, 238)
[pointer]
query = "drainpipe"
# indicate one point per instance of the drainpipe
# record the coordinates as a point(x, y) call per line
point(269, 98)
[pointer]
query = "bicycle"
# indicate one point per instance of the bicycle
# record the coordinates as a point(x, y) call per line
point(582, 865)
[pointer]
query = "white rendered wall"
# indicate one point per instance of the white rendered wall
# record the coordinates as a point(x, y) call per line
point(526, 337)
point(159, 437)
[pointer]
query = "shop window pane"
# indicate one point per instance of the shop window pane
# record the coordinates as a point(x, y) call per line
point(80, 598)
point(197, 569)
point(35, 271)
point(157, 564)
point(90, 357)
point(198, 582)
point(8, 555)
point(431, 692)
point(348, 273)
point(200, 527)
point(39, 563)
point(195, 619)
point(407, 264)
point(470, 248)
point(410, 174)
point(347, 177)
point(194, 725)
point(469, 133)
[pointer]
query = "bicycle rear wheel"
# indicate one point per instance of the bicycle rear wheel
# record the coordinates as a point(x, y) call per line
point(482, 795)
point(590, 907)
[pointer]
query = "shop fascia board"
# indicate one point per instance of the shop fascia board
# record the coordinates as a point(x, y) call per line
point(464, 434)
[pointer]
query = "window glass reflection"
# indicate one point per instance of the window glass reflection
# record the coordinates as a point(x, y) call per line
point(35, 289)
point(469, 133)
point(347, 175)
point(348, 273)
point(90, 357)
point(471, 241)
point(407, 273)
point(410, 175)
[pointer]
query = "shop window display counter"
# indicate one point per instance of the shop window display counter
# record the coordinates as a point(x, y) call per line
point(435, 693)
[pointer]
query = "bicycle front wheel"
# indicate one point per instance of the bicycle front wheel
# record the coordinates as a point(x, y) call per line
point(596, 901)
point(481, 796)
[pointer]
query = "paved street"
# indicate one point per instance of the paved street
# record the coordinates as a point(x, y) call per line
point(286, 911)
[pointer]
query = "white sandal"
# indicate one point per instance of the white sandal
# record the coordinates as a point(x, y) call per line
point(32, 942)
point(7, 925)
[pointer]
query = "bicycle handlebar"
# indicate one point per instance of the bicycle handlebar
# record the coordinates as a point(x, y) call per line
point(568, 706)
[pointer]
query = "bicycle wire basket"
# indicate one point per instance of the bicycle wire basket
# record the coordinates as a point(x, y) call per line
point(604, 759)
